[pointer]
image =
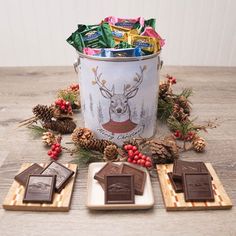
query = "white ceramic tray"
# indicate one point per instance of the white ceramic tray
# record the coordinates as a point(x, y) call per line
point(95, 193)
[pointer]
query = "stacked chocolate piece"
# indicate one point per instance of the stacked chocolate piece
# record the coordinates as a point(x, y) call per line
point(121, 182)
point(41, 183)
point(193, 179)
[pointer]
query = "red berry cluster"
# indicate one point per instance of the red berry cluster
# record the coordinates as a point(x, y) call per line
point(55, 151)
point(171, 79)
point(135, 157)
point(190, 135)
point(74, 87)
point(63, 105)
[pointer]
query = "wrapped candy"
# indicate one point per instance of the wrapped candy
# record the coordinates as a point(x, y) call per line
point(150, 32)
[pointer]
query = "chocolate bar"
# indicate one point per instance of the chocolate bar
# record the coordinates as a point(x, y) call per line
point(176, 183)
point(108, 169)
point(197, 187)
point(22, 177)
point(40, 189)
point(139, 177)
point(62, 173)
point(181, 167)
point(119, 189)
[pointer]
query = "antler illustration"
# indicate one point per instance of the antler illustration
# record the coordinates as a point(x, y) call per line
point(100, 83)
point(139, 79)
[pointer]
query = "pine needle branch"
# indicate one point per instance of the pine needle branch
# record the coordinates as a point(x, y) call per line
point(37, 130)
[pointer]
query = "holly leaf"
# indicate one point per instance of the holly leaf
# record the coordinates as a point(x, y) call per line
point(94, 82)
point(136, 79)
point(127, 86)
point(104, 82)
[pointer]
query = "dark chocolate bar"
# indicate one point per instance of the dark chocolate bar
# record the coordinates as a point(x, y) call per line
point(176, 183)
point(197, 187)
point(40, 189)
point(139, 177)
point(119, 189)
point(22, 177)
point(108, 169)
point(63, 174)
point(181, 167)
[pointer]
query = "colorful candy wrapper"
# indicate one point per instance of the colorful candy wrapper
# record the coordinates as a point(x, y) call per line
point(125, 52)
point(93, 51)
point(121, 34)
point(147, 44)
point(96, 37)
point(150, 32)
point(123, 45)
point(125, 23)
point(147, 23)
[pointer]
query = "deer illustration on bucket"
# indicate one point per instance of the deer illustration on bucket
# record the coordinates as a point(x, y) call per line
point(119, 108)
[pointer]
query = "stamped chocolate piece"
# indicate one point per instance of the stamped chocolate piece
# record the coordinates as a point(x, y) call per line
point(181, 167)
point(63, 174)
point(108, 169)
point(139, 177)
point(40, 189)
point(22, 177)
point(197, 187)
point(176, 183)
point(119, 189)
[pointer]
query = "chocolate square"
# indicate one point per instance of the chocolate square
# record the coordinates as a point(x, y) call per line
point(181, 167)
point(176, 183)
point(108, 169)
point(63, 174)
point(139, 177)
point(22, 177)
point(197, 187)
point(119, 189)
point(39, 189)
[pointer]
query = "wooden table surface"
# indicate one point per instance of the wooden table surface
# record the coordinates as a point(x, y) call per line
point(214, 97)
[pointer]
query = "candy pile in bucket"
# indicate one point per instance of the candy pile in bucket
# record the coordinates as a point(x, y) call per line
point(117, 37)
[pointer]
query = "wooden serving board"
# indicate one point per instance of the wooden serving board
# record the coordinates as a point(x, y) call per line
point(175, 201)
point(61, 202)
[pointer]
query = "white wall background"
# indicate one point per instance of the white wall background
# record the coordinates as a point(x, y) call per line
point(197, 32)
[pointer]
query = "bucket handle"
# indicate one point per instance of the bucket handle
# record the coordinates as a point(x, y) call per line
point(77, 63)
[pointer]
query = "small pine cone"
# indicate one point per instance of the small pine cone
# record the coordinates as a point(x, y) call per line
point(199, 144)
point(110, 153)
point(178, 113)
point(48, 138)
point(43, 112)
point(184, 103)
point(65, 126)
point(98, 144)
point(81, 134)
point(164, 89)
point(163, 151)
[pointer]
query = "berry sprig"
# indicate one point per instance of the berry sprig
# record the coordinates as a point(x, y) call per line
point(136, 157)
point(55, 151)
point(63, 105)
point(74, 87)
point(171, 79)
point(188, 137)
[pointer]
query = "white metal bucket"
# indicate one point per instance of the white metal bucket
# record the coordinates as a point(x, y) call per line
point(119, 95)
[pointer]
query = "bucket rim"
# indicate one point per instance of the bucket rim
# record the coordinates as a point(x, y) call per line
point(118, 59)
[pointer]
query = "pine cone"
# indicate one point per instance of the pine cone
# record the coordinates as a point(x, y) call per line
point(163, 151)
point(43, 112)
point(48, 138)
point(199, 144)
point(164, 89)
point(110, 153)
point(81, 134)
point(95, 144)
point(184, 103)
point(178, 113)
point(65, 126)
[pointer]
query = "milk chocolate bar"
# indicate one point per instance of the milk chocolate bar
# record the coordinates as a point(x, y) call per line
point(176, 183)
point(63, 174)
point(139, 177)
point(181, 167)
point(119, 189)
point(40, 189)
point(197, 187)
point(22, 177)
point(108, 169)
